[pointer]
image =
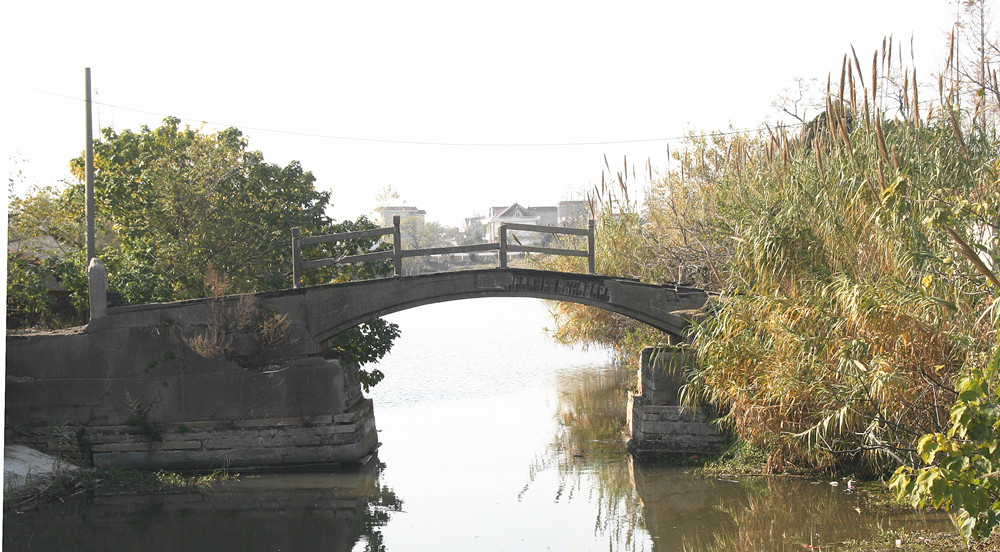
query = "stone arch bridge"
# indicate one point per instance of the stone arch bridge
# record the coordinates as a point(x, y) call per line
point(187, 385)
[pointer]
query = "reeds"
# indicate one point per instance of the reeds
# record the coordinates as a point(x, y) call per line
point(856, 298)
point(854, 257)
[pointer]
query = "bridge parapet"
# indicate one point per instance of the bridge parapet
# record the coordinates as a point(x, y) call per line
point(397, 253)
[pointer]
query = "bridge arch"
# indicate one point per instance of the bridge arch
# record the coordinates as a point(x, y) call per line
point(333, 308)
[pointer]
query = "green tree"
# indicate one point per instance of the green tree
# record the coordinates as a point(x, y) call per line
point(178, 200)
point(46, 285)
point(417, 234)
point(473, 234)
point(962, 465)
point(173, 205)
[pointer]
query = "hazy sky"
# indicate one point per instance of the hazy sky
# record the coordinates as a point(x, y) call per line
point(457, 105)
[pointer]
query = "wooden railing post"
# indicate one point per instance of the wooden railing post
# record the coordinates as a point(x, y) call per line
point(502, 256)
point(590, 246)
point(397, 247)
point(296, 259)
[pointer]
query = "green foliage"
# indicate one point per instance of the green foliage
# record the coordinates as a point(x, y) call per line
point(175, 204)
point(28, 300)
point(115, 479)
point(175, 200)
point(962, 465)
point(139, 417)
point(46, 279)
point(741, 458)
point(856, 262)
point(47, 211)
point(362, 344)
point(849, 314)
point(31, 299)
point(354, 271)
point(474, 234)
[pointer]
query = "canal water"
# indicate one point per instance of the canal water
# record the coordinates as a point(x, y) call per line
point(493, 438)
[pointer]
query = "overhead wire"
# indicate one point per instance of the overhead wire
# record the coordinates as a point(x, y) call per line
point(410, 142)
point(427, 142)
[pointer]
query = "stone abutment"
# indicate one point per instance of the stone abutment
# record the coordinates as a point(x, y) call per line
point(659, 427)
point(185, 386)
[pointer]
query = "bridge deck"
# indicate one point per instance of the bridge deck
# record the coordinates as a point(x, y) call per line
point(329, 309)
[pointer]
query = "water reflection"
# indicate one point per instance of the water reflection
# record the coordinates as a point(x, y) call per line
point(587, 451)
point(497, 440)
point(671, 509)
point(685, 513)
point(320, 511)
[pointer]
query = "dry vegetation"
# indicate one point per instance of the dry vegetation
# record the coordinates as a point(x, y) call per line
point(266, 329)
point(857, 260)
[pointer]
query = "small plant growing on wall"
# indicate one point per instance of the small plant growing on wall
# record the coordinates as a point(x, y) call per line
point(264, 328)
point(139, 417)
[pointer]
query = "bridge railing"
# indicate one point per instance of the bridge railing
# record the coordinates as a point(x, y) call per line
point(397, 254)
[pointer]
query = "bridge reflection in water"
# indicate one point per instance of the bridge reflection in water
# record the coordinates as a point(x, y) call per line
point(320, 511)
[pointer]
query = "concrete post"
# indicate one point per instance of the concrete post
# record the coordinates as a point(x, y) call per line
point(89, 172)
point(296, 259)
point(97, 276)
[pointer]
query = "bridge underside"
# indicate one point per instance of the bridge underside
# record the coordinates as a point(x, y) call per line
point(331, 309)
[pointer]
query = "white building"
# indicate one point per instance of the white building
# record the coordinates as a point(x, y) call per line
point(406, 213)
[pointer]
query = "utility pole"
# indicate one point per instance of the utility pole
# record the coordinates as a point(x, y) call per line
point(90, 172)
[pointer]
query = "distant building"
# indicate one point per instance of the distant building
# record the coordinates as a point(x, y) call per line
point(517, 213)
point(547, 216)
point(410, 214)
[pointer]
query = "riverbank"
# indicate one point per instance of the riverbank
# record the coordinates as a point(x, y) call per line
point(29, 474)
point(914, 541)
point(745, 461)
point(32, 477)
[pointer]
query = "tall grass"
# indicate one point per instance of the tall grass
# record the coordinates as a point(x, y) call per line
point(855, 295)
point(664, 235)
point(854, 256)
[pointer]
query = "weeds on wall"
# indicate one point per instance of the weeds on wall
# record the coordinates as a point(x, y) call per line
point(138, 416)
point(265, 329)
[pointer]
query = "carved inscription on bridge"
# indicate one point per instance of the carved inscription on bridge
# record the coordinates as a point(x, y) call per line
point(593, 291)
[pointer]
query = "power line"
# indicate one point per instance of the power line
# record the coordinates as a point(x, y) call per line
point(427, 142)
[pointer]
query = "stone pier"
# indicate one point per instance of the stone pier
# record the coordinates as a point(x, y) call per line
point(659, 427)
point(130, 391)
